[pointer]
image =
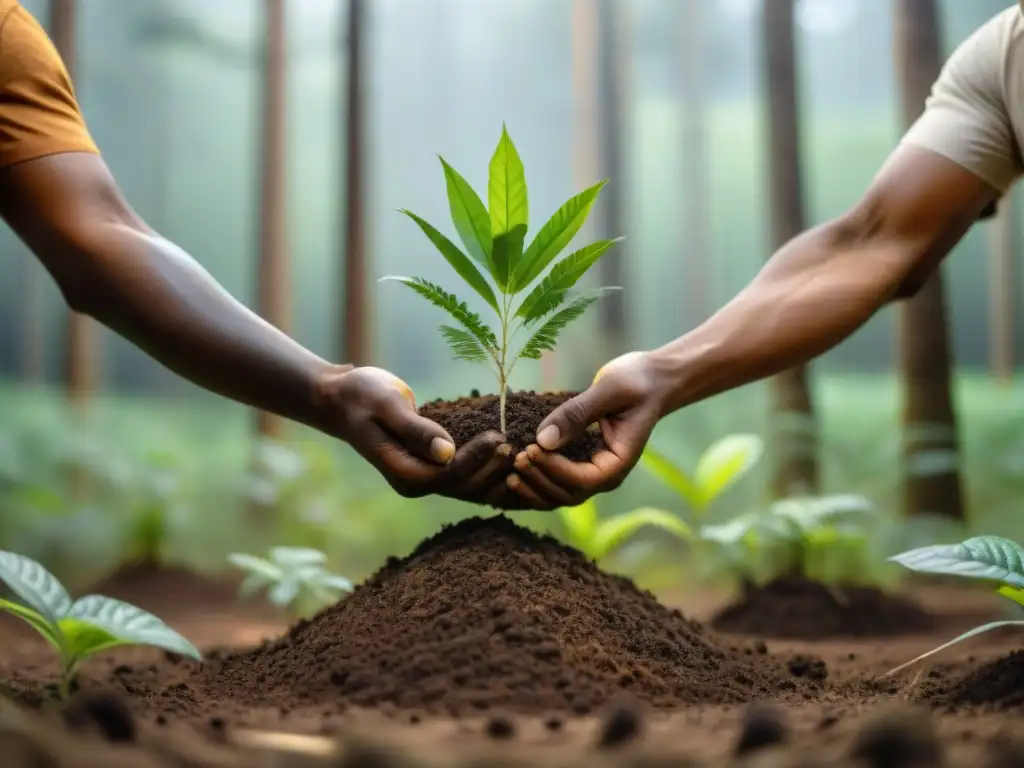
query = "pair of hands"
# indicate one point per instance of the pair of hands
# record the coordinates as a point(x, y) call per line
point(417, 457)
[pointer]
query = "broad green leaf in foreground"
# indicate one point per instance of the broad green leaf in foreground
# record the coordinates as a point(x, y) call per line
point(36, 587)
point(991, 558)
point(469, 214)
point(128, 625)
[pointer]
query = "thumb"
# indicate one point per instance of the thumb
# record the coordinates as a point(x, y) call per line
point(571, 419)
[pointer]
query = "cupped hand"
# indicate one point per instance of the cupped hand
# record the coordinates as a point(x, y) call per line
point(627, 399)
point(376, 414)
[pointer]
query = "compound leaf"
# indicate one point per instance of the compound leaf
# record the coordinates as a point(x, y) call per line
point(551, 291)
point(35, 586)
point(451, 304)
point(458, 260)
point(469, 215)
point(545, 337)
point(464, 344)
point(555, 235)
point(128, 624)
point(991, 558)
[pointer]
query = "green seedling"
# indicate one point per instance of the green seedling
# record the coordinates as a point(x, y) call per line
point(80, 629)
point(810, 532)
point(719, 468)
point(289, 575)
point(992, 559)
point(494, 237)
point(598, 538)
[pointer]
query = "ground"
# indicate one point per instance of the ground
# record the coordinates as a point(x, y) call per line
point(825, 698)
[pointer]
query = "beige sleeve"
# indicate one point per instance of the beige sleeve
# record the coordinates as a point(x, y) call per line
point(966, 118)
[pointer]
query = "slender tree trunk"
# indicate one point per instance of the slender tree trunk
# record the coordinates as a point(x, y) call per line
point(697, 284)
point(794, 425)
point(926, 359)
point(1003, 283)
point(80, 373)
point(273, 274)
point(614, 115)
point(356, 334)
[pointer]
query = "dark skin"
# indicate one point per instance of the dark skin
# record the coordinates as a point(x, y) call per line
point(812, 294)
point(110, 265)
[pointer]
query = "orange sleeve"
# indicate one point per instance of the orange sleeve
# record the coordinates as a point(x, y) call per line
point(39, 114)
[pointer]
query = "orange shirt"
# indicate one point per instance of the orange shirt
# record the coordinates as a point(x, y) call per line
point(39, 113)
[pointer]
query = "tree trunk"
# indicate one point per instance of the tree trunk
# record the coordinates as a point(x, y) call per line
point(696, 257)
point(272, 270)
point(613, 115)
point(80, 374)
point(794, 428)
point(356, 333)
point(931, 475)
point(1003, 282)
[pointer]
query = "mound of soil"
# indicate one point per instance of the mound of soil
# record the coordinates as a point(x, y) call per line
point(998, 685)
point(798, 609)
point(487, 615)
point(467, 417)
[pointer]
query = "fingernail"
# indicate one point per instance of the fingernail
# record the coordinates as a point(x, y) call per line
point(504, 450)
point(547, 438)
point(441, 450)
point(533, 452)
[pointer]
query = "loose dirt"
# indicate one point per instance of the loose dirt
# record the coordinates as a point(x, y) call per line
point(468, 417)
point(799, 609)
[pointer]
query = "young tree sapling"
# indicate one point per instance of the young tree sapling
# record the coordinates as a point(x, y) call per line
point(495, 239)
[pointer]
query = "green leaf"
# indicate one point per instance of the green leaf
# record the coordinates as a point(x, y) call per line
point(545, 337)
point(806, 514)
point(129, 625)
point(297, 556)
point(458, 260)
point(451, 304)
point(84, 639)
point(965, 636)
point(732, 532)
point(1012, 593)
point(982, 557)
point(334, 582)
point(36, 620)
point(551, 291)
point(284, 592)
point(256, 565)
point(252, 584)
point(506, 188)
point(35, 586)
point(724, 463)
point(612, 533)
point(662, 468)
point(508, 249)
point(580, 522)
point(555, 235)
point(463, 344)
point(469, 215)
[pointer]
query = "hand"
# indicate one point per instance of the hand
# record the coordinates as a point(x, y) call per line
point(627, 399)
point(377, 416)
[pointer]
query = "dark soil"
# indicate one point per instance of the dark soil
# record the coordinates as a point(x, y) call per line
point(798, 609)
point(998, 685)
point(468, 417)
point(488, 615)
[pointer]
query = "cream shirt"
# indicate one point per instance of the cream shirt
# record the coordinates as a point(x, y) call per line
point(975, 114)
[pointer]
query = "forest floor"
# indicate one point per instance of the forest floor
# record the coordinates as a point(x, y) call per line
point(489, 645)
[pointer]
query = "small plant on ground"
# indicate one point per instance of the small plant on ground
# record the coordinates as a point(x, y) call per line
point(495, 238)
point(719, 468)
point(597, 538)
point(296, 578)
point(992, 559)
point(80, 629)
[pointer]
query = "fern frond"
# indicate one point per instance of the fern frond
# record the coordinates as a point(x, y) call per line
point(455, 307)
point(464, 344)
point(552, 290)
point(545, 337)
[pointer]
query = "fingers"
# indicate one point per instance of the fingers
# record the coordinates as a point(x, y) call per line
point(532, 499)
point(421, 437)
point(571, 419)
point(541, 486)
point(478, 466)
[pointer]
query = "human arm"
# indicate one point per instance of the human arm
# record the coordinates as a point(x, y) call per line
point(61, 199)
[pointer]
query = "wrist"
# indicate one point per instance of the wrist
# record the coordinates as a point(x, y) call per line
point(324, 408)
point(683, 371)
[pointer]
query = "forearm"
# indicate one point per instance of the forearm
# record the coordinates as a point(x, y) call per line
point(812, 294)
point(153, 293)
